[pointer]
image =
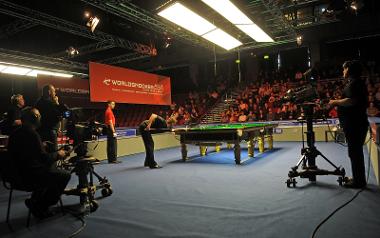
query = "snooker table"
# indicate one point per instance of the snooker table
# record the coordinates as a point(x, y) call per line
point(205, 135)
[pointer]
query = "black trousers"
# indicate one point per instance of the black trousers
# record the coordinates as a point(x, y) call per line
point(355, 136)
point(149, 147)
point(111, 146)
point(49, 186)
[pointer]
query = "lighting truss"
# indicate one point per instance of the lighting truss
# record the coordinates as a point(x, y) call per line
point(15, 27)
point(63, 25)
point(144, 18)
point(34, 59)
point(86, 49)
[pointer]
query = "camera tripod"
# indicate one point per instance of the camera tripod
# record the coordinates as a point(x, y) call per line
point(86, 189)
point(310, 153)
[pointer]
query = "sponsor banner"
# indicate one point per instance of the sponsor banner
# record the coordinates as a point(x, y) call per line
point(128, 86)
point(71, 91)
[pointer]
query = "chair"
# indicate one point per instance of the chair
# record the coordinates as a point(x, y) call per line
point(12, 181)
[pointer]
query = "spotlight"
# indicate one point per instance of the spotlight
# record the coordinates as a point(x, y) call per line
point(356, 5)
point(166, 45)
point(71, 51)
point(299, 40)
point(92, 22)
point(168, 42)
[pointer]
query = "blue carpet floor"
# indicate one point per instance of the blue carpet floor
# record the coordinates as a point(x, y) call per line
point(210, 196)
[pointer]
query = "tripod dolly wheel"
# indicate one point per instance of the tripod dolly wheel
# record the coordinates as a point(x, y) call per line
point(291, 181)
point(107, 192)
point(341, 180)
point(94, 205)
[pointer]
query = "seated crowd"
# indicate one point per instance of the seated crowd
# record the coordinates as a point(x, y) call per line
point(264, 101)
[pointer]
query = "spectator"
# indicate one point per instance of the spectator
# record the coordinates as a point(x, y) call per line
point(242, 117)
point(372, 111)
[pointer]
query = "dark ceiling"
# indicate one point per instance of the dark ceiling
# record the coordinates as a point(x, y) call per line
point(39, 32)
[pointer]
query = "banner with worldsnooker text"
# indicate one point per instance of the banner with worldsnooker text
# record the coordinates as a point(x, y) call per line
point(128, 86)
point(73, 92)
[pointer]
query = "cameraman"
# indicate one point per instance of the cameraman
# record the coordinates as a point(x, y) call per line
point(352, 113)
point(36, 167)
point(51, 115)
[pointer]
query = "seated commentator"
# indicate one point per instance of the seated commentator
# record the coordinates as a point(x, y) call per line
point(36, 168)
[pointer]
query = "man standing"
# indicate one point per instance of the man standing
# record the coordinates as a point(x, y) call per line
point(13, 120)
point(35, 167)
point(111, 133)
point(51, 115)
point(154, 122)
point(352, 112)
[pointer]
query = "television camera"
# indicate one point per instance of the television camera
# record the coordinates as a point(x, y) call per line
point(305, 97)
point(81, 164)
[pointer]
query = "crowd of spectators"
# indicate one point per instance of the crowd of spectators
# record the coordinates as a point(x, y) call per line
point(264, 100)
point(188, 108)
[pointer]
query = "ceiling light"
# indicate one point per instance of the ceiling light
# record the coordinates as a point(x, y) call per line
point(255, 32)
point(15, 70)
point(221, 38)
point(186, 18)
point(25, 70)
point(36, 72)
point(233, 14)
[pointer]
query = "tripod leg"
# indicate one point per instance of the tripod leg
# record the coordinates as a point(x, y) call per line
point(302, 159)
point(332, 164)
point(100, 178)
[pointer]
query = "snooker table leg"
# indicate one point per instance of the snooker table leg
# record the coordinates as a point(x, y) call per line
point(217, 148)
point(202, 150)
point(261, 143)
point(184, 151)
point(237, 153)
point(251, 147)
point(270, 141)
